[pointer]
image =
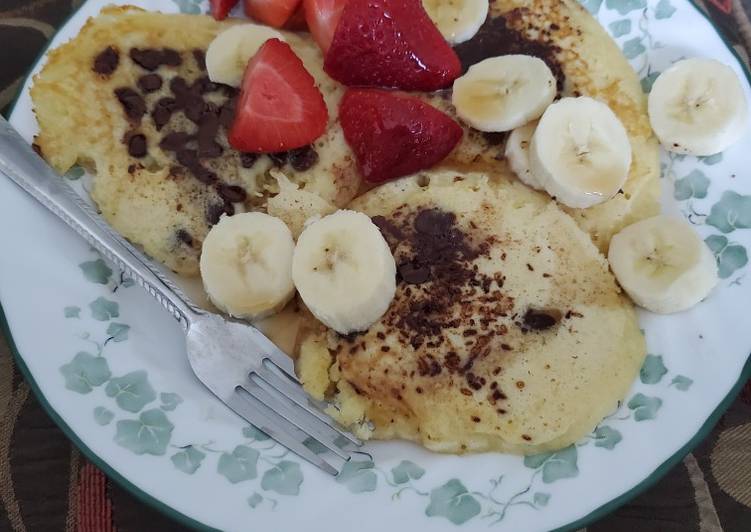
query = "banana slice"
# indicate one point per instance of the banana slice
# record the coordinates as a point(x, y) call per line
point(229, 52)
point(246, 265)
point(663, 264)
point(457, 20)
point(580, 152)
point(344, 271)
point(503, 93)
point(697, 106)
point(517, 154)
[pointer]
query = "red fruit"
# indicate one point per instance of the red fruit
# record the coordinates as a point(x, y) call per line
point(220, 8)
point(390, 43)
point(394, 135)
point(272, 12)
point(323, 17)
point(279, 107)
point(297, 21)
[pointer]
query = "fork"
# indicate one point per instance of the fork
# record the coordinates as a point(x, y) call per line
point(234, 360)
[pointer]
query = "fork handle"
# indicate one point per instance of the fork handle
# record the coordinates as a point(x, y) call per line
point(29, 171)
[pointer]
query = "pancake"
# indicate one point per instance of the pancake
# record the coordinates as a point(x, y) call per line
point(159, 200)
point(507, 332)
point(587, 62)
point(163, 202)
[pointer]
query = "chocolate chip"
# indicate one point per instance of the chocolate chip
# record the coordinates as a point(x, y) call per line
point(150, 59)
point(171, 57)
point(137, 146)
point(150, 82)
point(183, 236)
point(303, 158)
point(388, 229)
point(187, 158)
point(231, 193)
point(195, 108)
point(434, 221)
point(132, 102)
point(215, 210)
point(412, 273)
point(494, 139)
point(175, 141)
point(247, 160)
point(278, 158)
point(207, 130)
point(203, 85)
point(227, 113)
point(179, 86)
point(106, 62)
point(539, 320)
point(204, 175)
point(199, 56)
point(162, 113)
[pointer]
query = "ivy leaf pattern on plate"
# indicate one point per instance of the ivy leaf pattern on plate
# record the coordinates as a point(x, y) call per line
point(118, 332)
point(454, 502)
point(284, 477)
point(555, 466)
point(624, 7)
point(644, 407)
point(664, 9)
point(188, 460)
point(131, 391)
point(607, 437)
point(149, 434)
point(103, 309)
point(405, 471)
point(239, 465)
point(72, 312)
point(169, 401)
point(681, 382)
point(693, 185)
point(732, 212)
point(85, 372)
point(358, 476)
point(730, 257)
point(96, 271)
point(652, 370)
point(103, 416)
point(619, 28)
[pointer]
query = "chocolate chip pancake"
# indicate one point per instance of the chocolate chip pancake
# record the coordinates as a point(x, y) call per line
point(129, 98)
point(507, 332)
point(586, 62)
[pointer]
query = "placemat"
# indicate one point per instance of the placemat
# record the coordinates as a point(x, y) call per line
point(47, 485)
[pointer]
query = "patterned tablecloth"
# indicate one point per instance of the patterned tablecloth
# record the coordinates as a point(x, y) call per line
point(46, 484)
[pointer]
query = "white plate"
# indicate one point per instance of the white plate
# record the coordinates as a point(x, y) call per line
point(108, 364)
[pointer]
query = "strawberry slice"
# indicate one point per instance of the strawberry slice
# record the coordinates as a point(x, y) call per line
point(390, 43)
point(272, 12)
point(279, 107)
point(323, 17)
point(221, 8)
point(297, 21)
point(394, 135)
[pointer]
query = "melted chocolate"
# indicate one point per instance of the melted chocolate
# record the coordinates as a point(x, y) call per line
point(132, 102)
point(495, 37)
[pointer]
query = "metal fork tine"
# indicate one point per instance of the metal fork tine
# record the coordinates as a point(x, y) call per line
point(283, 406)
point(275, 378)
point(265, 419)
point(273, 353)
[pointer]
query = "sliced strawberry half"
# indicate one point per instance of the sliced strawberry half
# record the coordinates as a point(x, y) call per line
point(394, 135)
point(272, 12)
point(221, 8)
point(322, 17)
point(279, 106)
point(297, 21)
point(390, 43)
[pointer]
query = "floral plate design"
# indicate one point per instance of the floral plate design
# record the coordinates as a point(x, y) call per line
point(108, 363)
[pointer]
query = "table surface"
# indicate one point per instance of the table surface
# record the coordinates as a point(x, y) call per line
point(47, 485)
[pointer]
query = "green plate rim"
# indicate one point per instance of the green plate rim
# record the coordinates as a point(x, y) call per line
point(183, 519)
